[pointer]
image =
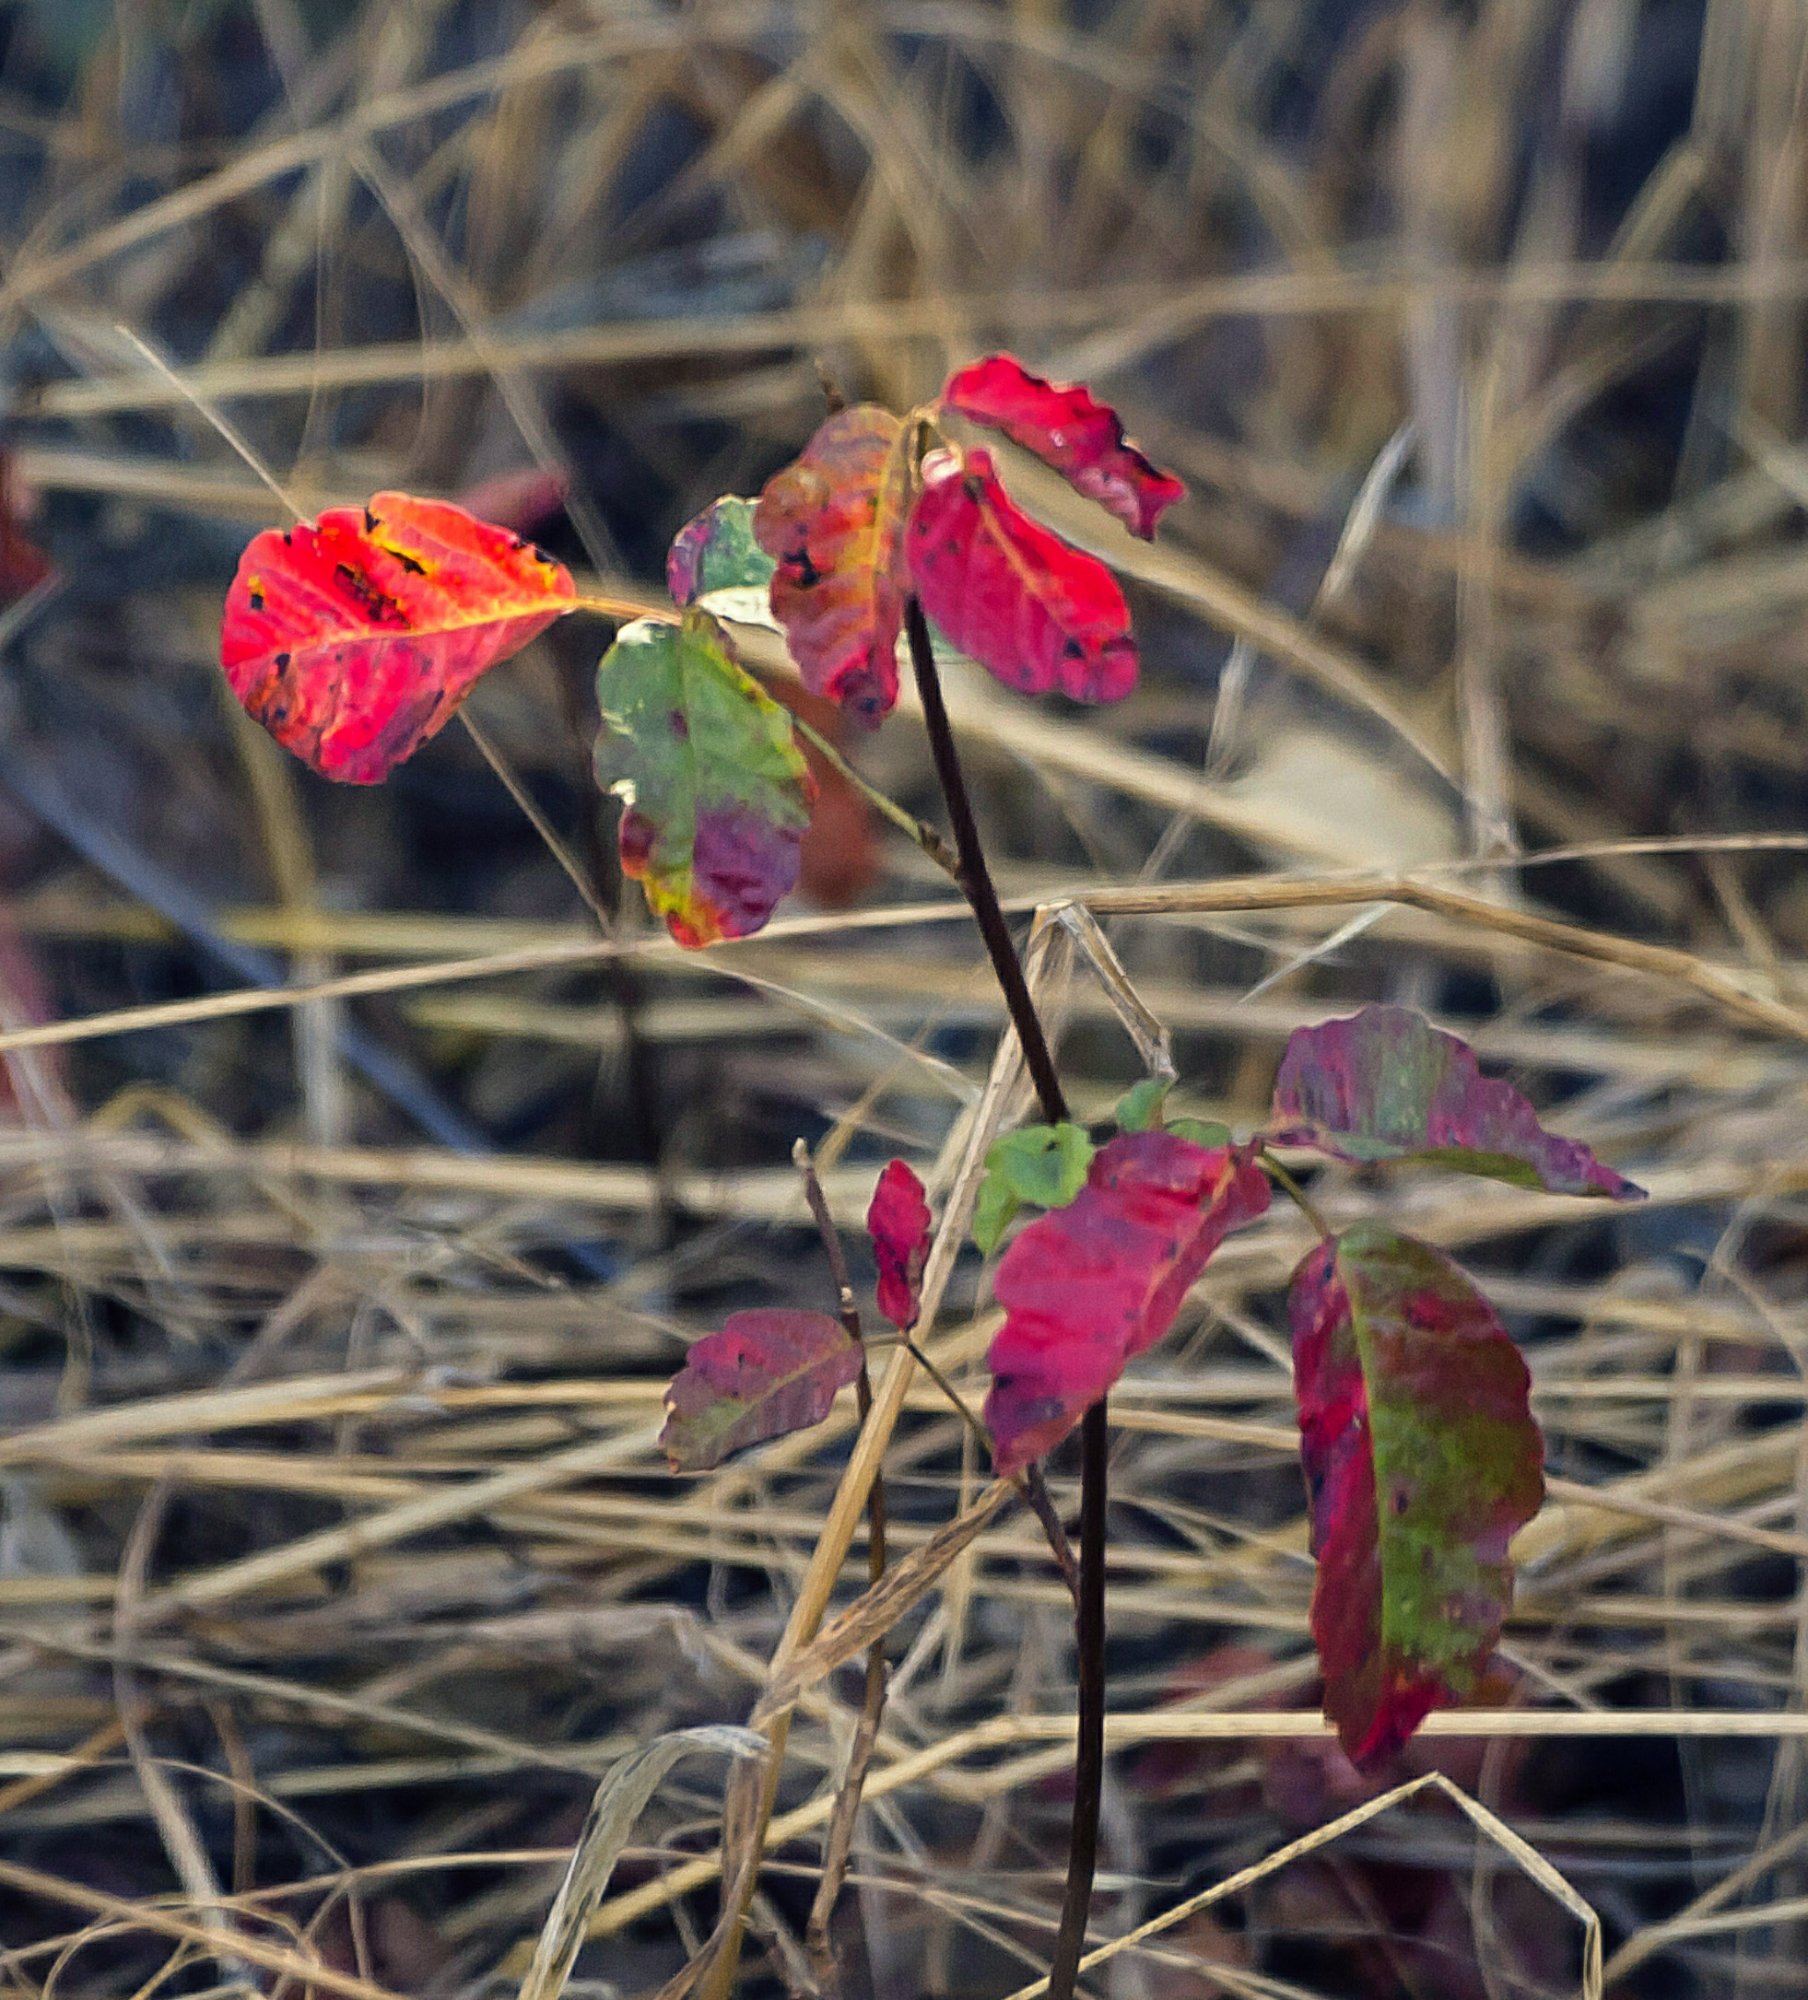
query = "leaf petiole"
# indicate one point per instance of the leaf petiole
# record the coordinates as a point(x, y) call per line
point(918, 830)
point(1290, 1187)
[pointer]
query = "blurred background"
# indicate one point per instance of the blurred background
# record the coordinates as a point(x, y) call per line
point(336, 1557)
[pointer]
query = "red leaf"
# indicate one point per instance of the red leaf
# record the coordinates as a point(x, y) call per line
point(1087, 1286)
point(355, 638)
point(899, 1223)
point(1062, 424)
point(1029, 607)
point(1421, 1461)
point(833, 521)
point(766, 1374)
point(23, 565)
point(1386, 1085)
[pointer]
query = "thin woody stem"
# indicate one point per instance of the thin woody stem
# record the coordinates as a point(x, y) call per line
point(1095, 1435)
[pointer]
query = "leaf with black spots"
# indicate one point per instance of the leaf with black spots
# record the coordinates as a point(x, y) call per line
point(355, 638)
point(1030, 608)
point(833, 522)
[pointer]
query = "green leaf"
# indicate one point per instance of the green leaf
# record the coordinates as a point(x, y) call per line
point(1206, 1132)
point(716, 563)
point(716, 793)
point(1139, 1109)
point(1041, 1165)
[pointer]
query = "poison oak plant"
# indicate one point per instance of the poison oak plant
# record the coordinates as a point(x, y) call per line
point(355, 639)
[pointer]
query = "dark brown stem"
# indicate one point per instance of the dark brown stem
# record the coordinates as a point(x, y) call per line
point(1029, 1482)
point(975, 876)
point(1089, 1621)
point(1089, 1748)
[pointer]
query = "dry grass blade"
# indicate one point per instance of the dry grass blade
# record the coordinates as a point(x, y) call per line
point(620, 1800)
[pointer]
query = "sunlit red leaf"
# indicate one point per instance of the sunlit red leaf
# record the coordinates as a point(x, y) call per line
point(1065, 427)
point(715, 793)
point(355, 638)
point(1087, 1286)
point(1029, 607)
point(1386, 1085)
point(899, 1223)
point(833, 521)
point(1422, 1460)
point(766, 1374)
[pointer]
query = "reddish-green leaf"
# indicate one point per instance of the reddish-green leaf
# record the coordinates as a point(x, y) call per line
point(1065, 427)
point(716, 795)
point(1386, 1085)
point(766, 1374)
point(833, 521)
point(717, 552)
point(1422, 1460)
point(899, 1222)
point(1028, 606)
point(355, 638)
point(1087, 1286)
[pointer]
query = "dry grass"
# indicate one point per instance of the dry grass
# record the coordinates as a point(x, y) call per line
point(336, 1560)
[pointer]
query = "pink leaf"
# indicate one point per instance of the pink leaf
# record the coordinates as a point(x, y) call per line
point(1386, 1085)
point(833, 521)
point(1087, 1286)
point(1421, 1461)
point(1029, 607)
point(766, 1374)
point(1065, 427)
point(899, 1223)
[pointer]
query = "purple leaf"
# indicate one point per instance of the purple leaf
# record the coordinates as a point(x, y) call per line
point(766, 1374)
point(1386, 1085)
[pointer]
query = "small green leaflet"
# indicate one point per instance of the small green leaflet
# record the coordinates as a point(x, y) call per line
point(1140, 1107)
point(715, 792)
point(1043, 1165)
